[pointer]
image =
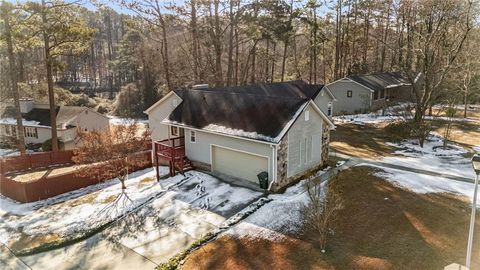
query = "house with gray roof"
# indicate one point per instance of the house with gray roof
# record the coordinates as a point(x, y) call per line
point(367, 92)
point(37, 126)
point(281, 130)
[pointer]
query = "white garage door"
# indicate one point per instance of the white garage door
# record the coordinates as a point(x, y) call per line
point(238, 164)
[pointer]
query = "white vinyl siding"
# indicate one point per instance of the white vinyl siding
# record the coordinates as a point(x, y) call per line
point(304, 143)
point(359, 101)
point(157, 114)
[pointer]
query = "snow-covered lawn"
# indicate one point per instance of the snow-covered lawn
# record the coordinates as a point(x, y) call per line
point(421, 183)
point(455, 160)
point(275, 219)
point(75, 212)
point(192, 204)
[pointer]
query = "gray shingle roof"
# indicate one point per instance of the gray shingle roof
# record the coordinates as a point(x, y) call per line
point(263, 109)
point(380, 81)
point(64, 114)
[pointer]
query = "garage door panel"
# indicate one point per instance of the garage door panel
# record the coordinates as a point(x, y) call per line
point(238, 164)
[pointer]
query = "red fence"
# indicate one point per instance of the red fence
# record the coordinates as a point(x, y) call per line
point(54, 185)
point(35, 161)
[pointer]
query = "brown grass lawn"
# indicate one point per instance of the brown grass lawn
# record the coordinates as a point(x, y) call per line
point(464, 133)
point(366, 141)
point(406, 231)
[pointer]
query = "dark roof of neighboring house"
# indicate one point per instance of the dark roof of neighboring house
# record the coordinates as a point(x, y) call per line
point(262, 109)
point(64, 114)
point(380, 81)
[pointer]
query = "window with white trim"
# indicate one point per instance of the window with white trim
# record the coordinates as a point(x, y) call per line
point(193, 136)
point(329, 109)
point(307, 115)
point(174, 131)
point(349, 93)
point(31, 132)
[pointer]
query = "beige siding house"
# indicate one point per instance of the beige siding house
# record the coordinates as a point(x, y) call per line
point(239, 132)
point(36, 122)
point(363, 93)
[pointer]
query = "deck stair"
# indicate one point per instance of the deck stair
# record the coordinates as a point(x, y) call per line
point(173, 151)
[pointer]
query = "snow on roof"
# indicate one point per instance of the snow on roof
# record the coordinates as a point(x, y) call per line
point(12, 121)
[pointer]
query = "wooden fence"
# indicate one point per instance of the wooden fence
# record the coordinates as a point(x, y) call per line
point(52, 185)
point(35, 161)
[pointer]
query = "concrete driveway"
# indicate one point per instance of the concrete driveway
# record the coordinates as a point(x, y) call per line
point(163, 227)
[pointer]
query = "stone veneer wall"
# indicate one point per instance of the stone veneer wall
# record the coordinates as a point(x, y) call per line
point(325, 142)
point(282, 156)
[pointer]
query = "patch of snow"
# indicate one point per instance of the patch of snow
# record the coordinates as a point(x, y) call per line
point(13, 121)
point(432, 157)
point(175, 210)
point(281, 216)
point(115, 121)
point(476, 149)
point(238, 132)
point(421, 183)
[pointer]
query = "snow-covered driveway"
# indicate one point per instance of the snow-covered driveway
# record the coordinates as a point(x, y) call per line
point(178, 211)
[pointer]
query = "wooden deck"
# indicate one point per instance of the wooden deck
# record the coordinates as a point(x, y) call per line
point(173, 151)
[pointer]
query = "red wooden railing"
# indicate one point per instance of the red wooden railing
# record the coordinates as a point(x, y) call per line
point(173, 151)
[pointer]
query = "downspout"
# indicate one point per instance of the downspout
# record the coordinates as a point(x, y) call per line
point(274, 165)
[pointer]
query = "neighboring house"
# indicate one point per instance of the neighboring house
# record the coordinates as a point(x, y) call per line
point(363, 93)
point(36, 122)
point(280, 128)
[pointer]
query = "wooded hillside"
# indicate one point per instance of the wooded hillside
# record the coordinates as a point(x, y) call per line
point(160, 46)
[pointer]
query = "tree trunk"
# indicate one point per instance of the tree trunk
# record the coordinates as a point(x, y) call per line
point(337, 39)
point(13, 81)
point(284, 59)
point(51, 94)
point(166, 64)
point(230, 44)
point(273, 62)
point(193, 26)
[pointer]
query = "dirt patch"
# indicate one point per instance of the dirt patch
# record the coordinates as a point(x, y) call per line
point(26, 241)
point(364, 141)
point(381, 227)
point(30, 176)
point(109, 199)
point(146, 181)
point(86, 199)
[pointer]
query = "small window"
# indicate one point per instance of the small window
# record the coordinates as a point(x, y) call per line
point(174, 131)
point(349, 93)
point(193, 136)
point(307, 115)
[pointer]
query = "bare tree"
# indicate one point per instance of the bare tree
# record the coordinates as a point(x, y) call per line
point(322, 209)
point(112, 153)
